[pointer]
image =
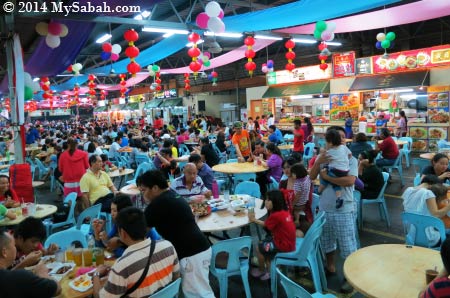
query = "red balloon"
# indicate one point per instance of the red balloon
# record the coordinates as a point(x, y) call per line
point(289, 44)
point(69, 68)
point(290, 66)
point(91, 77)
point(158, 88)
point(322, 46)
point(193, 37)
point(133, 67)
point(249, 41)
point(193, 52)
point(323, 66)
point(131, 35)
point(250, 66)
point(46, 96)
point(323, 57)
point(214, 74)
point(290, 55)
point(186, 75)
point(132, 52)
point(44, 79)
point(107, 47)
point(250, 54)
point(195, 66)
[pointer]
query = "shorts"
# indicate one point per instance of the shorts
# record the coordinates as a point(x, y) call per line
point(267, 248)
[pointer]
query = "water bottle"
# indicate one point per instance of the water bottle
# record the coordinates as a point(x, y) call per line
point(251, 204)
point(106, 168)
point(8, 155)
point(215, 189)
point(91, 241)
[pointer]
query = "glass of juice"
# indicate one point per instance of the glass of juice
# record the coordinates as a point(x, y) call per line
point(78, 256)
point(69, 254)
point(87, 257)
point(99, 255)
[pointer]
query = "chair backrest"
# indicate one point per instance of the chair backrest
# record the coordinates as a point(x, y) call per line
point(169, 291)
point(311, 241)
point(91, 212)
point(308, 150)
point(234, 248)
point(40, 165)
point(65, 239)
point(248, 188)
point(422, 224)
point(183, 150)
point(292, 289)
point(232, 160)
point(398, 161)
point(417, 179)
point(273, 184)
point(142, 168)
point(420, 163)
point(407, 147)
point(315, 205)
point(140, 159)
point(72, 198)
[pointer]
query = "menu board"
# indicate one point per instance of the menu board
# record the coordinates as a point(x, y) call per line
point(434, 135)
point(340, 103)
point(438, 111)
point(343, 64)
point(363, 66)
point(420, 138)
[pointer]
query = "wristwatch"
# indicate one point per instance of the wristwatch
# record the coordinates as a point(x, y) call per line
point(96, 273)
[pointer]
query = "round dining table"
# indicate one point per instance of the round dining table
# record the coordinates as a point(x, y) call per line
point(430, 155)
point(118, 173)
point(398, 142)
point(42, 211)
point(238, 168)
point(286, 147)
point(390, 270)
point(130, 190)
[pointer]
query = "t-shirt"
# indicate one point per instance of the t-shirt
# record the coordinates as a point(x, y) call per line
point(207, 175)
point(373, 182)
point(275, 167)
point(172, 217)
point(243, 141)
point(438, 288)
point(210, 154)
point(13, 196)
point(276, 137)
point(114, 150)
point(24, 284)
point(339, 157)
point(3, 210)
point(96, 185)
point(298, 140)
point(389, 148)
point(282, 227)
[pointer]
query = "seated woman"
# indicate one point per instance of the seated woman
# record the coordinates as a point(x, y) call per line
point(274, 163)
point(440, 192)
point(360, 144)
point(438, 167)
point(370, 175)
point(168, 165)
point(8, 196)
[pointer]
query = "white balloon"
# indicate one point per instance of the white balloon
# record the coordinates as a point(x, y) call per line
point(52, 41)
point(151, 72)
point(331, 37)
point(116, 49)
point(77, 67)
point(27, 79)
point(216, 25)
point(149, 67)
point(331, 26)
point(36, 87)
point(64, 31)
point(381, 36)
point(212, 9)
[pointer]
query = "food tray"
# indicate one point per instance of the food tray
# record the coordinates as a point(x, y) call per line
point(61, 270)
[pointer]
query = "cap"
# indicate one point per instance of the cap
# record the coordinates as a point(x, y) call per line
point(165, 136)
point(237, 124)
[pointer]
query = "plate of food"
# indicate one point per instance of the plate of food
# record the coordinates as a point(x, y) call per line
point(200, 209)
point(422, 58)
point(61, 270)
point(82, 283)
point(237, 205)
point(432, 96)
point(432, 103)
point(392, 64)
point(433, 146)
point(418, 132)
point(411, 62)
point(443, 104)
point(437, 133)
point(419, 145)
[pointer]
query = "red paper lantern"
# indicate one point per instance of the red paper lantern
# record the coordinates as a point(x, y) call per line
point(158, 88)
point(91, 77)
point(250, 66)
point(195, 66)
point(123, 83)
point(250, 54)
point(323, 57)
point(133, 67)
point(132, 52)
point(194, 52)
point(290, 66)
point(123, 90)
point(45, 87)
point(69, 68)
point(193, 37)
point(249, 41)
point(130, 35)
point(323, 66)
point(322, 46)
point(158, 81)
point(290, 55)
point(289, 44)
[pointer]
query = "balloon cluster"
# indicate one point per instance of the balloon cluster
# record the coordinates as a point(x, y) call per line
point(52, 32)
point(132, 51)
point(213, 77)
point(385, 41)
point(267, 67)
point(45, 86)
point(250, 66)
point(290, 55)
point(103, 94)
point(153, 69)
point(75, 68)
point(111, 51)
point(194, 52)
point(92, 86)
point(187, 82)
point(123, 84)
point(30, 86)
point(204, 59)
point(211, 19)
point(324, 31)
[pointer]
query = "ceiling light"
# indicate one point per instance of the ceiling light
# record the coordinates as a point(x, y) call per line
point(36, 79)
point(167, 35)
point(333, 43)
point(260, 36)
point(165, 30)
point(224, 34)
point(304, 40)
point(103, 38)
point(190, 44)
point(398, 90)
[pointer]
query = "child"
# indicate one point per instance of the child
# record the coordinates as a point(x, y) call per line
point(339, 165)
point(440, 191)
point(282, 230)
point(302, 188)
point(6, 212)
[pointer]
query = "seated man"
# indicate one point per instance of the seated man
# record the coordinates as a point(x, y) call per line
point(389, 149)
point(96, 186)
point(190, 184)
point(23, 283)
point(124, 276)
point(204, 171)
point(275, 135)
point(440, 286)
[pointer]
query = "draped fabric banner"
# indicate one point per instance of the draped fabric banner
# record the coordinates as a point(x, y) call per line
point(20, 80)
point(394, 16)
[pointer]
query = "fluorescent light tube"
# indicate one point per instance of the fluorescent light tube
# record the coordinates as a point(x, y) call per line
point(190, 44)
point(333, 43)
point(269, 37)
point(103, 38)
point(304, 40)
point(164, 30)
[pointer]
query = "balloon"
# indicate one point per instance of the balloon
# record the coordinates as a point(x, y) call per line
point(27, 79)
point(321, 26)
point(205, 58)
point(107, 47)
point(326, 35)
point(390, 36)
point(323, 57)
point(155, 68)
point(214, 74)
point(322, 46)
point(271, 69)
point(207, 54)
point(36, 87)
point(385, 44)
point(317, 34)
point(290, 66)
point(91, 77)
point(202, 20)
point(64, 31)
point(216, 25)
point(331, 26)
point(158, 81)
point(269, 63)
point(149, 67)
point(52, 41)
point(331, 37)
point(392, 45)
point(105, 55)
point(116, 49)
point(200, 61)
point(221, 14)
point(212, 9)
point(130, 35)
point(207, 63)
point(77, 67)
point(381, 36)
point(132, 52)
point(210, 77)
point(114, 56)
point(42, 28)
point(54, 28)
point(378, 45)
point(28, 93)
point(264, 69)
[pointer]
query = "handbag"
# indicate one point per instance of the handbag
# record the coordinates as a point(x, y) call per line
point(144, 274)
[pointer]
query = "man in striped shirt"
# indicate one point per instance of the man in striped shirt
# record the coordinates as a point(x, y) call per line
point(190, 184)
point(164, 266)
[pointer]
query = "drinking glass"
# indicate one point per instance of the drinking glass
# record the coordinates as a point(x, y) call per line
point(99, 255)
point(87, 257)
point(78, 256)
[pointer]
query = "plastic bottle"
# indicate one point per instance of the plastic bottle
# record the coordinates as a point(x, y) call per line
point(106, 168)
point(251, 204)
point(91, 241)
point(215, 189)
point(8, 155)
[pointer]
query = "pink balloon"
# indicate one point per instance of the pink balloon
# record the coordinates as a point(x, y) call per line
point(200, 61)
point(221, 14)
point(326, 35)
point(54, 28)
point(202, 20)
point(207, 54)
point(114, 57)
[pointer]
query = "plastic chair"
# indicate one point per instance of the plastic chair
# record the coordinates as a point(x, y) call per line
point(421, 223)
point(248, 188)
point(212, 137)
point(232, 160)
point(91, 212)
point(169, 291)
point(222, 157)
point(358, 221)
point(321, 143)
point(43, 170)
point(417, 179)
point(65, 239)
point(420, 163)
point(273, 184)
point(231, 152)
point(183, 150)
point(380, 200)
point(238, 251)
point(140, 159)
point(142, 168)
point(397, 166)
point(315, 205)
point(406, 150)
point(308, 152)
point(306, 254)
point(294, 290)
point(70, 220)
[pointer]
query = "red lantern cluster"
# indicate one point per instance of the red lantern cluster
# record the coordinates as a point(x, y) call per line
point(324, 53)
point(290, 55)
point(132, 51)
point(250, 66)
point(76, 99)
point(103, 94)
point(30, 106)
point(187, 82)
point(123, 84)
point(158, 81)
point(194, 52)
point(92, 86)
point(48, 94)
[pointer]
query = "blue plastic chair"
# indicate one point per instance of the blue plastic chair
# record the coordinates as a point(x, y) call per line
point(91, 212)
point(421, 223)
point(238, 250)
point(273, 184)
point(406, 150)
point(248, 188)
point(417, 179)
point(140, 159)
point(231, 151)
point(308, 153)
point(183, 150)
point(397, 166)
point(238, 178)
point(222, 156)
point(380, 200)
point(43, 170)
point(169, 291)
point(306, 254)
point(419, 164)
point(294, 290)
point(69, 200)
point(321, 142)
point(315, 205)
point(65, 239)
point(141, 169)
point(232, 160)
point(357, 199)
point(212, 137)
